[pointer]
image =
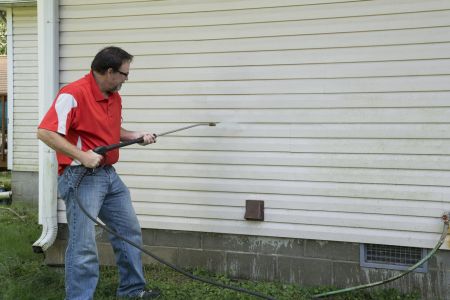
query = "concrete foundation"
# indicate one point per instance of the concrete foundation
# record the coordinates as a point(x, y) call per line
point(302, 262)
point(25, 186)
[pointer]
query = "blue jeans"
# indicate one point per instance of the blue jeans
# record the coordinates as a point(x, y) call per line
point(105, 196)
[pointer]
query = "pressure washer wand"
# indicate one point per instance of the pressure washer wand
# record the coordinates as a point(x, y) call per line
point(103, 149)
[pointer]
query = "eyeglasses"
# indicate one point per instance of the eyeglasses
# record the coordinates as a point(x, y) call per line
point(123, 73)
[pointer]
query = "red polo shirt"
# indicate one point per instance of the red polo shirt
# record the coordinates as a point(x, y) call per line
point(81, 113)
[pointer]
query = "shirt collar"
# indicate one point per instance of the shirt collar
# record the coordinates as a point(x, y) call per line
point(98, 95)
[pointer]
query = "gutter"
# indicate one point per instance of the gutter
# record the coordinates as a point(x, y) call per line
point(48, 67)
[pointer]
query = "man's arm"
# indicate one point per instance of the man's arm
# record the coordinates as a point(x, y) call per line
point(57, 142)
point(126, 135)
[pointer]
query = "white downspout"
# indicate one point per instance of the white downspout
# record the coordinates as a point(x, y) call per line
point(48, 66)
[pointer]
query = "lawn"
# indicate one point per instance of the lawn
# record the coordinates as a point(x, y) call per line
point(5, 180)
point(23, 276)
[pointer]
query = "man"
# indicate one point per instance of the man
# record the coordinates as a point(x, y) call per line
point(87, 114)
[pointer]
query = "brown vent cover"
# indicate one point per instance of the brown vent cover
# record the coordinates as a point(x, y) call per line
point(254, 210)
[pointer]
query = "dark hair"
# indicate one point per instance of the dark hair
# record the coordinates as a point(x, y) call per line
point(110, 57)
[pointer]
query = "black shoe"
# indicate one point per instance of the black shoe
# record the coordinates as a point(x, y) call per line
point(148, 294)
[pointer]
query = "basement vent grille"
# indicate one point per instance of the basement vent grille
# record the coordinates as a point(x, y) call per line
point(391, 257)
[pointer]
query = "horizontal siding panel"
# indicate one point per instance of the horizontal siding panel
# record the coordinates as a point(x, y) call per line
point(24, 11)
point(21, 122)
point(25, 63)
point(318, 71)
point(26, 89)
point(22, 109)
point(26, 116)
point(31, 45)
point(223, 62)
point(230, 116)
point(353, 100)
point(19, 143)
point(26, 149)
point(23, 103)
point(25, 30)
point(26, 155)
point(30, 77)
point(25, 22)
point(193, 5)
point(307, 145)
point(25, 166)
point(316, 11)
point(371, 161)
point(21, 57)
point(23, 50)
point(369, 221)
point(27, 96)
point(387, 207)
point(19, 82)
point(321, 130)
point(26, 135)
point(276, 17)
point(25, 70)
point(30, 37)
point(387, 37)
point(18, 129)
point(345, 85)
point(324, 189)
point(262, 52)
point(284, 173)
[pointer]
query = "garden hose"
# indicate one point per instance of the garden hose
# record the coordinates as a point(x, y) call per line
point(445, 218)
point(103, 150)
point(190, 275)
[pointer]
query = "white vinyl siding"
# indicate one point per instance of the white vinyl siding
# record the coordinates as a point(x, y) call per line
point(335, 113)
point(25, 145)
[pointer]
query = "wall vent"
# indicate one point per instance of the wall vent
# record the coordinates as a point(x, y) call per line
point(391, 257)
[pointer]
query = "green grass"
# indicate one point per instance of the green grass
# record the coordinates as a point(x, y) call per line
point(23, 275)
point(5, 180)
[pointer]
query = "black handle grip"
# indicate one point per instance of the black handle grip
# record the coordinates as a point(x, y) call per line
point(103, 149)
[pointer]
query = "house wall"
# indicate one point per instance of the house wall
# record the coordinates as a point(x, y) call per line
point(25, 89)
point(25, 118)
point(333, 112)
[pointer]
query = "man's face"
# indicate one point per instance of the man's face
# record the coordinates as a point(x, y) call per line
point(116, 78)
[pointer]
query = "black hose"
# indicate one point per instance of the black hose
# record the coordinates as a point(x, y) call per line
point(445, 218)
point(190, 275)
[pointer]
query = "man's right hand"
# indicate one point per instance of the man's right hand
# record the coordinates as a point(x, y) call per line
point(91, 160)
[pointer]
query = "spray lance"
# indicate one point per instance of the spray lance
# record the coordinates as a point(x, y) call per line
point(103, 150)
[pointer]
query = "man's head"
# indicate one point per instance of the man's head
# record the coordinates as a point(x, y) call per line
point(111, 66)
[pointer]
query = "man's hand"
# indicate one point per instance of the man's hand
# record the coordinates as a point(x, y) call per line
point(90, 159)
point(126, 135)
point(149, 138)
point(54, 140)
